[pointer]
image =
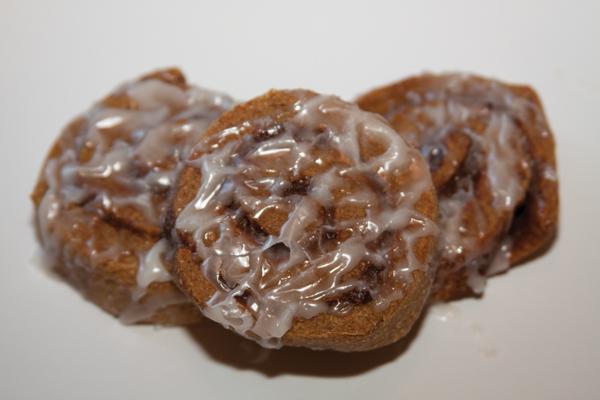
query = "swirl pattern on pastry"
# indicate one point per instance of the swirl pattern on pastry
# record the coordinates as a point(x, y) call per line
point(103, 189)
point(492, 159)
point(302, 220)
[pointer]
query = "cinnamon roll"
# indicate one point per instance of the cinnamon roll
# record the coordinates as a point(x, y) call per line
point(302, 220)
point(100, 198)
point(491, 155)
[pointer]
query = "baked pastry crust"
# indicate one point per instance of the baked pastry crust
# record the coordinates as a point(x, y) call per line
point(492, 158)
point(222, 204)
point(102, 190)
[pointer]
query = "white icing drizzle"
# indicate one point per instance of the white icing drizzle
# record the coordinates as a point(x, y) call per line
point(134, 154)
point(145, 308)
point(265, 280)
point(151, 267)
point(448, 107)
point(501, 261)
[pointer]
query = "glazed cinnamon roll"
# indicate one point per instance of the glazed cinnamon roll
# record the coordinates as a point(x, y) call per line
point(302, 220)
point(103, 188)
point(491, 154)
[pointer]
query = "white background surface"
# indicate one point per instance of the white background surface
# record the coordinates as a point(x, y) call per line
point(533, 336)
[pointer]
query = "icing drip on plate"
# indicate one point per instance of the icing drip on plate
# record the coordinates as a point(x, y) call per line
point(315, 214)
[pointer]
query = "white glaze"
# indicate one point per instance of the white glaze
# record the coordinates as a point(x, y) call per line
point(155, 136)
point(151, 267)
point(501, 260)
point(279, 276)
point(448, 106)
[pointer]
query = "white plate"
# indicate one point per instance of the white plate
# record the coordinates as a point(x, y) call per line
point(533, 336)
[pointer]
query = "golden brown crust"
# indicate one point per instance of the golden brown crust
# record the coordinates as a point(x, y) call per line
point(532, 226)
point(361, 329)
